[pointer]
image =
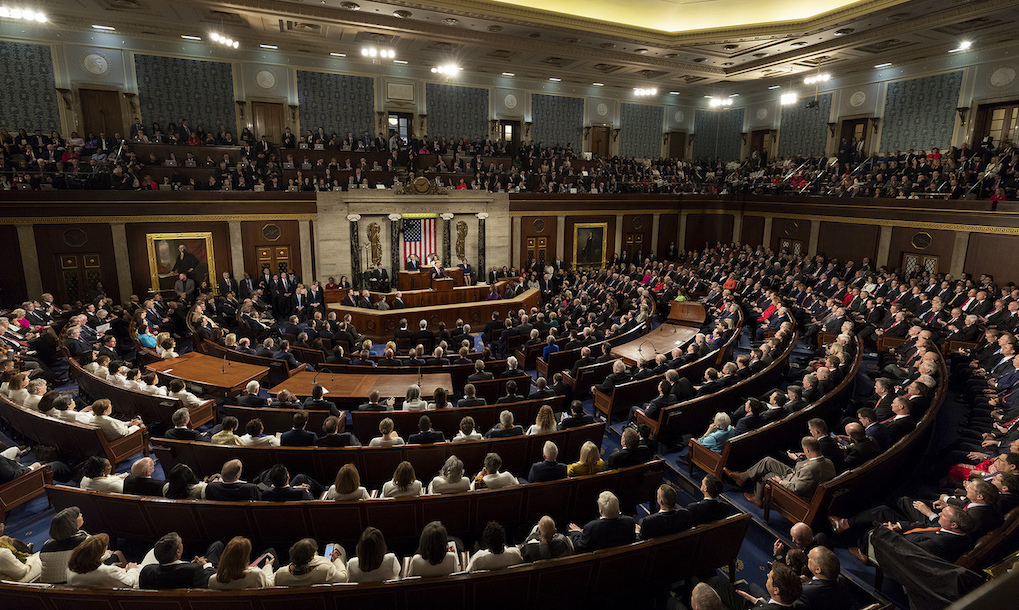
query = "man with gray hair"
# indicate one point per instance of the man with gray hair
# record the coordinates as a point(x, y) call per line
point(511, 368)
point(609, 530)
point(505, 427)
point(251, 397)
point(548, 469)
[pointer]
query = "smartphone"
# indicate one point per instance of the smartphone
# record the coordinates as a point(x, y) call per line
point(256, 563)
point(329, 551)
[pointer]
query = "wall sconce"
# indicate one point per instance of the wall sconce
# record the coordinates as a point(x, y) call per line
point(424, 124)
point(132, 102)
point(615, 134)
point(67, 96)
point(744, 136)
point(293, 113)
point(874, 122)
point(665, 138)
point(963, 112)
point(241, 106)
point(493, 126)
point(527, 128)
point(831, 128)
point(587, 132)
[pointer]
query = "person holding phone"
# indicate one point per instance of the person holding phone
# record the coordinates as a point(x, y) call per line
point(236, 570)
point(373, 561)
point(436, 554)
point(307, 567)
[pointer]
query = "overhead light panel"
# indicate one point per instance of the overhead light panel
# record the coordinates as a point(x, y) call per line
point(673, 92)
point(508, 74)
point(23, 13)
point(187, 37)
point(338, 54)
point(105, 28)
point(598, 84)
point(374, 52)
point(884, 65)
point(223, 40)
point(269, 46)
point(400, 61)
point(774, 87)
point(788, 98)
point(963, 46)
point(554, 79)
point(817, 78)
point(446, 69)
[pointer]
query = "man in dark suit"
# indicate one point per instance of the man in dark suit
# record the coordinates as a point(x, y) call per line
point(423, 335)
point(373, 403)
point(181, 418)
point(281, 490)
point(230, 487)
point(861, 447)
point(332, 438)
point(824, 590)
point(470, 398)
point(173, 573)
point(577, 417)
point(611, 529)
point(627, 454)
point(783, 587)
point(283, 353)
point(480, 374)
point(140, 481)
point(505, 427)
point(902, 423)
point(426, 434)
point(511, 393)
point(670, 519)
point(317, 402)
point(250, 398)
point(617, 377)
point(403, 332)
point(298, 436)
point(413, 264)
point(548, 469)
point(711, 508)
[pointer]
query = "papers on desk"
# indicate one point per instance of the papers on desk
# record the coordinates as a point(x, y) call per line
point(102, 328)
point(325, 391)
point(167, 370)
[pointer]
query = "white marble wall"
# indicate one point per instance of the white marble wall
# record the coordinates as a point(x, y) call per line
point(332, 229)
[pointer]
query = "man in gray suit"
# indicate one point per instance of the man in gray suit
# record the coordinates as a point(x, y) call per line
point(801, 479)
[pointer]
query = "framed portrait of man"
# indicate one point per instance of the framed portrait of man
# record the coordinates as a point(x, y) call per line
point(171, 254)
point(589, 243)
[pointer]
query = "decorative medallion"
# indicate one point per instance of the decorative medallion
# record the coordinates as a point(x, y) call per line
point(96, 64)
point(791, 227)
point(762, 113)
point(603, 110)
point(857, 99)
point(271, 232)
point(265, 79)
point(75, 237)
point(638, 222)
point(1002, 77)
point(538, 225)
point(510, 101)
point(679, 116)
point(922, 240)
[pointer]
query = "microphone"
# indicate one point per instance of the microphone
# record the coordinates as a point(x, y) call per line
point(314, 380)
point(223, 372)
point(419, 376)
point(640, 347)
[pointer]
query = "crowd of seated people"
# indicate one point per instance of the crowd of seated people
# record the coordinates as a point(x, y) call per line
point(108, 162)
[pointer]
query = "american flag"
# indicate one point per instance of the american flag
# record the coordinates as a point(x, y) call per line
point(419, 237)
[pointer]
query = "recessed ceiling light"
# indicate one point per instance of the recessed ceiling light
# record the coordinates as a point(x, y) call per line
point(734, 95)
point(774, 87)
point(338, 54)
point(554, 79)
point(844, 31)
point(640, 51)
point(351, 6)
point(508, 74)
point(598, 84)
point(399, 61)
point(799, 44)
point(964, 45)
point(402, 14)
point(673, 92)
point(884, 65)
point(730, 47)
point(450, 21)
point(708, 96)
point(104, 28)
point(186, 37)
point(268, 46)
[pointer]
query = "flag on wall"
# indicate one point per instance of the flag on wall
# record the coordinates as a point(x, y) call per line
point(419, 238)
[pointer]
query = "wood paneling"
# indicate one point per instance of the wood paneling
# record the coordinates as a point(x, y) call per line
point(12, 281)
point(848, 241)
point(992, 254)
point(52, 241)
point(942, 244)
point(636, 231)
point(252, 238)
point(668, 233)
point(610, 242)
point(789, 228)
point(141, 278)
point(535, 230)
point(709, 229)
point(753, 230)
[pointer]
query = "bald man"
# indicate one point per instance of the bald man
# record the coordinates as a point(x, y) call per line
point(140, 481)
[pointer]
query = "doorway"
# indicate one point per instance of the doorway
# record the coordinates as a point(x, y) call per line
point(509, 134)
point(677, 145)
point(276, 258)
point(1000, 122)
point(267, 120)
point(600, 141)
point(536, 251)
point(853, 131)
point(79, 276)
point(101, 112)
point(760, 141)
point(402, 123)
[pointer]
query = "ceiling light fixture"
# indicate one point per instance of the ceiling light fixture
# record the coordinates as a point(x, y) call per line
point(508, 74)
point(598, 84)
point(645, 92)
point(223, 40)
point(338, 54)
point(963, 46)
point(673, 92)
point(775, 87)
point(374, 52)
point(554, 79)
point(819, 78)
point(446, 69)
point(788, 98)
point(105, 28)
point(717, 102)
point(269, 46)
point(884, 65)
point(23, 14)
point(187, 37)
point(400, 61)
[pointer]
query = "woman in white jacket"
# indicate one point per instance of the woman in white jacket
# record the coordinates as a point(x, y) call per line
point(307, 567)
point(235, 572)
point(86, 567)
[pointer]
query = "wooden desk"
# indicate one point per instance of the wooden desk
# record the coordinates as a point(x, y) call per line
point(208, 371)
point(426, 297)
point(659, 341)
point(420, 280)
point(380, 326)
point(353, 389)
point(688, 313)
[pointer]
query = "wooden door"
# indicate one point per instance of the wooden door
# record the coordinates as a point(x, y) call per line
point(536, 250)
point(101, 112)
point(1000, 122)
point(855, 130)
point(600, 141)
point(276, 258)
point(79, 274)
point(794, 246)
point(267, 120)
point(633, 245)
point(760, 140)
point(509, 134)
point(914, 264)
point(677, 145)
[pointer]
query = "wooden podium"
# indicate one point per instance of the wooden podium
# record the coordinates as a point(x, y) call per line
point(687, 313)
point(442, 284)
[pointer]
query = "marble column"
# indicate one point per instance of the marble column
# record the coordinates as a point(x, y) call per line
point(446, 258)
point(884, 244)
point(766, 238)
point(307, 263)
point(395, 260)
point(123, 258)
point(653, 250)
point(355, 252)
point(681, 237)
point(237, 251)
point(617, 239)
point(959, 253)
point(815, 237)
point(737, 228)
point(482, 267)
point(560, 238)
point(30, 260)
point(514, 248)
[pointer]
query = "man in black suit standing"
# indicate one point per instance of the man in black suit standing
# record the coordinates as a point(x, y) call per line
point(227, 284)
point(426, 435)
point(173, 573)
point(670, 519)
point(611, 529)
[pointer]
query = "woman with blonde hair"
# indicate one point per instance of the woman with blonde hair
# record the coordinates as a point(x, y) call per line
point(389, 438)
point(347, 486)
point(235, 571)
point(590, 461)
point(544, 422)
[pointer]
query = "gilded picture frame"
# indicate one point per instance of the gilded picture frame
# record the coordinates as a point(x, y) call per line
point(164, 252)
point(590, 243)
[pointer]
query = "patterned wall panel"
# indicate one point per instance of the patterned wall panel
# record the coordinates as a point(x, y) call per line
point(170, 89)
point(558, 120)
point(920, 113)
point(717, 134)
point(337, 102)
point(802, 130)
point(641, 134)
point(455, 112)
point(28, 98)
